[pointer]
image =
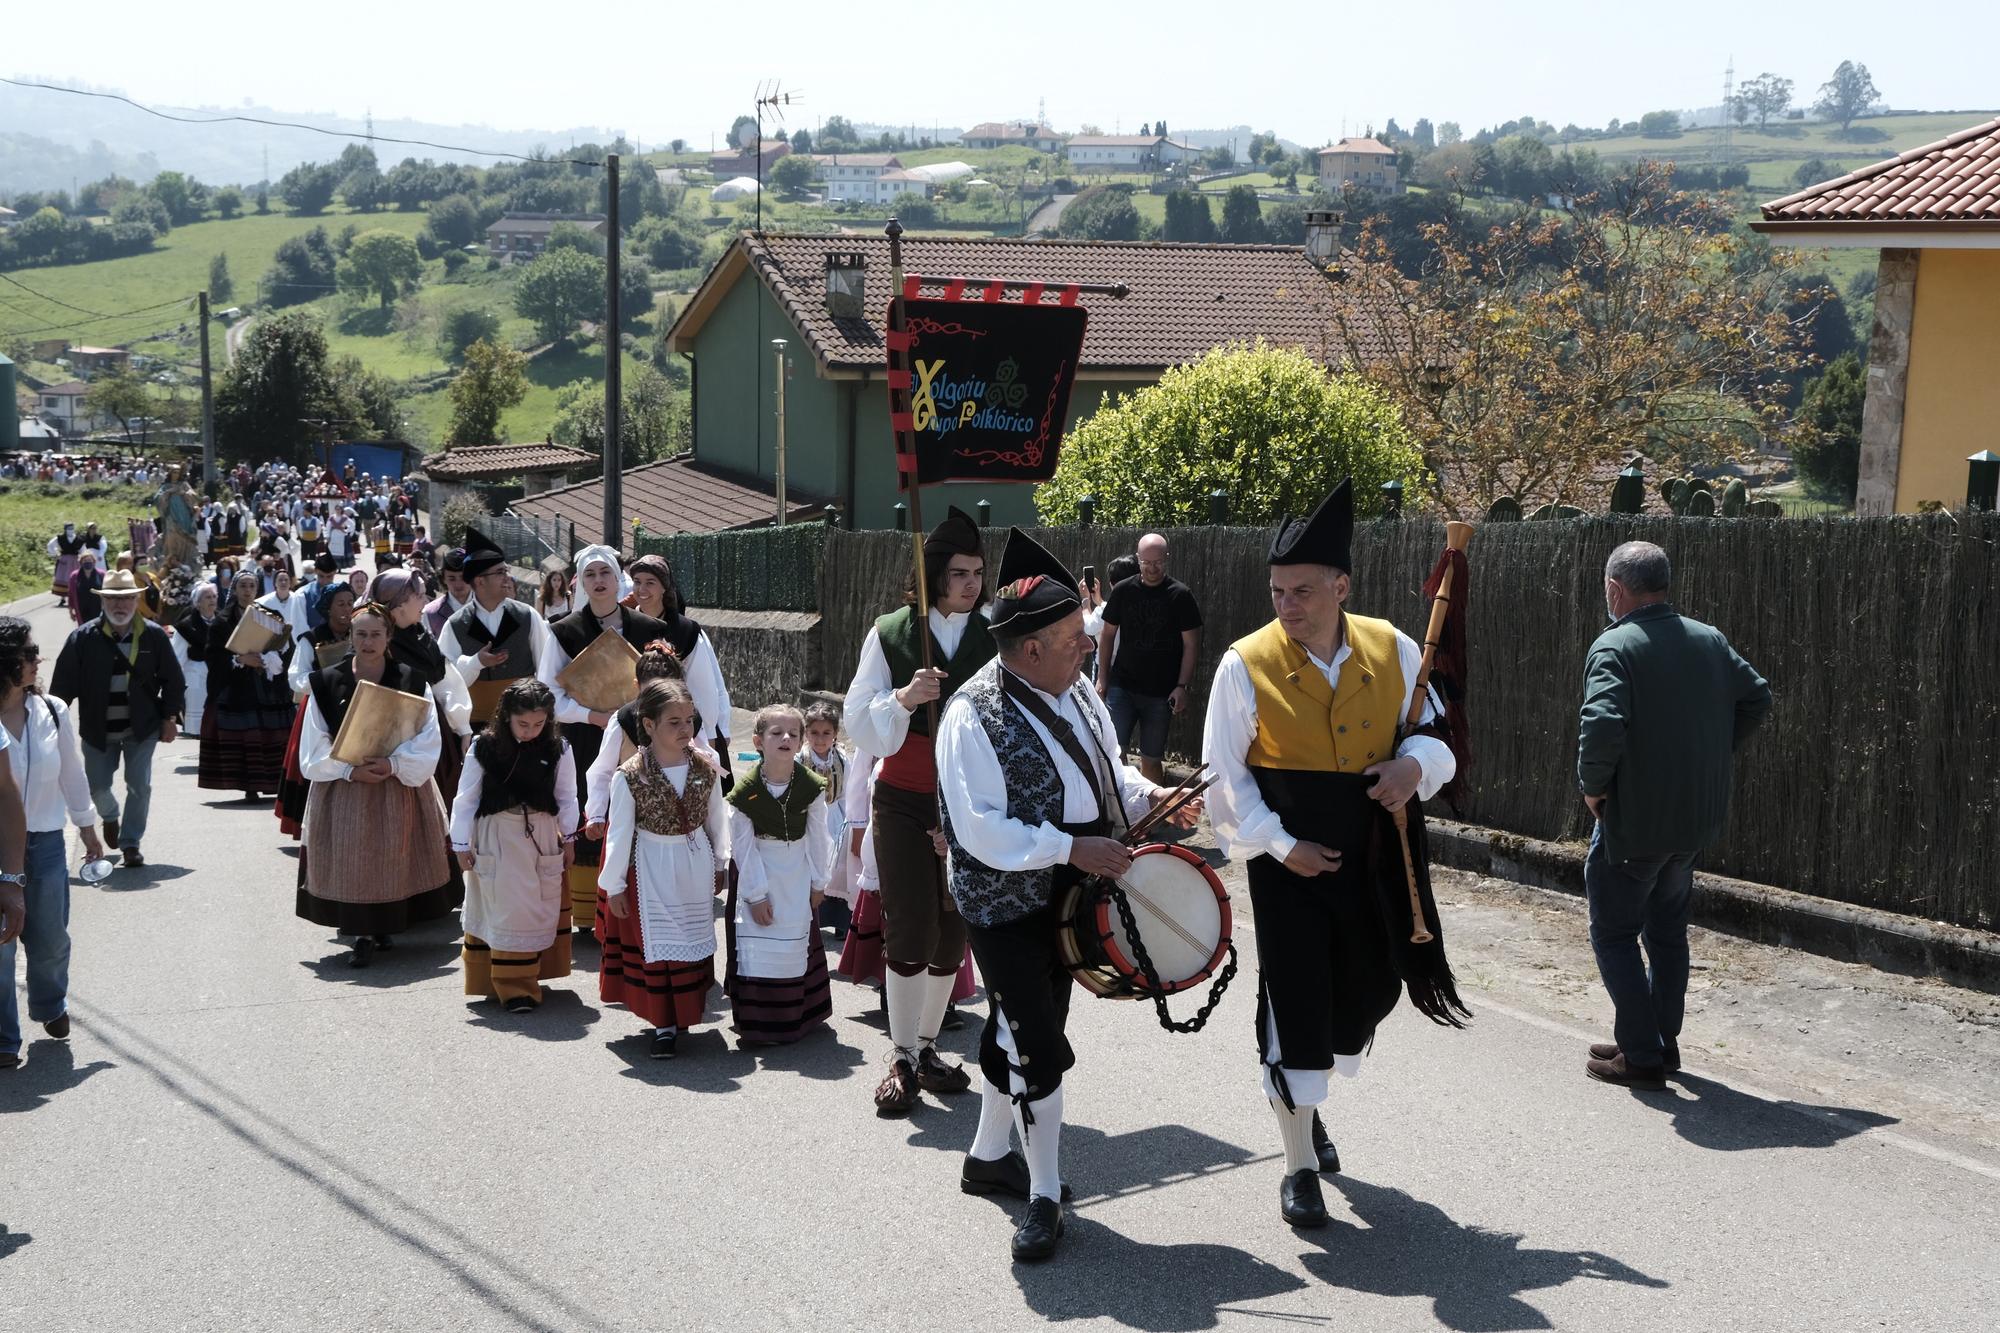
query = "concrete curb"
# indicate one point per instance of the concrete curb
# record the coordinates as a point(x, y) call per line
point(1886, 940)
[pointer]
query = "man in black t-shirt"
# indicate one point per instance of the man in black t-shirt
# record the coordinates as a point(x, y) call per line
point(1150, 640)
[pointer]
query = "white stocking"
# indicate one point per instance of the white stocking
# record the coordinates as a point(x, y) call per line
point(996, 1122)
point(906, 1010)
point(1295, 1129)
point(937, 997)
point(1040, 1126)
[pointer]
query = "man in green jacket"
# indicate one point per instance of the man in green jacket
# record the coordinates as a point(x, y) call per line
point(1666, 701)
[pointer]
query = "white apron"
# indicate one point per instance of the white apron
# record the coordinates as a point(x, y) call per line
point(777, 951)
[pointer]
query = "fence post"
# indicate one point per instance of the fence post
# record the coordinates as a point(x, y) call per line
point(902, 516)
point(1218, 508)
point(1982, 480)
point(1086, 510)
point(1392, 498)
point(832, 516)
point(985, 508)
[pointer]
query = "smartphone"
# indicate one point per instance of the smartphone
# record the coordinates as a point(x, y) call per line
point(1090, 577)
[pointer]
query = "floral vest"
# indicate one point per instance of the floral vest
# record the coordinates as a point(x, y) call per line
point(656, 806)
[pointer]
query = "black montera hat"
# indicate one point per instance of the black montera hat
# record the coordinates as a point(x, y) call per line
point(1035, 590)
point(957, 535)
point(481, 555)
point(1322, 539)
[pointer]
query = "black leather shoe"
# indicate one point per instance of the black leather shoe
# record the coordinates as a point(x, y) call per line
point(1005, 1175)
point(1300, 1201)
point(666, 1045)
point(953, 1020)
point(364, 951)
point(1329, 1156)
point(1041, 1227)
point(58, 1027)
point(1622, 1073)
point(1608, 1050)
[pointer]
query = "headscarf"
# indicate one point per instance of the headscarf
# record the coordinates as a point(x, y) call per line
point(591, 555)
point(391, 586)
point(661, 570)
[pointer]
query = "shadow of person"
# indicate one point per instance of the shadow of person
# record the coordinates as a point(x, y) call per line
point(151, 875)
point(706, 1062)
point(406, 961)
point(563, 1015)
point(1159, 1288)
point(50, 1068)
point(1721, 1118)
point(1097, 1167)
point(820, 1055)
point(11, 1241)
point(1473, 1277)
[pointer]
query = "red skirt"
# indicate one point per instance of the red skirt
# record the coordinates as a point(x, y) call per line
point(779, 1012)
point(861, 956)
point(290, 805)
point(666, 993)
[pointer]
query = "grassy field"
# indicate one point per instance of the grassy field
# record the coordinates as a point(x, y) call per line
point(175, 269)
point(33, 512)
point(1797, 140)
point(430, 411)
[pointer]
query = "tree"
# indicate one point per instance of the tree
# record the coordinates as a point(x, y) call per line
point(364, 188)
point(120, 395)
point(1188, 218)
point(1827, 447)
point(1765, 96)
point(365, 399)
point(221, 287)
point(569, 236)
point(228, 201)
point(1538, 352)
point(308, 188)
point(654, 420)
point(558, 289)
point(1660, 125)
point(1269, 426)
point(837, 133)
point(494, 379)
point(1814, 170)
point(464, 327)
point(1101, 213)
point(668, 242)
point(742, 130)
point(279, 382)
point(179, 195)
point(792, 173)
point(302, 270)
point(454, 220)
point(1846, 95)
point(1424, 134)
point(1243, 217)
point(380, 263)
point(802, 142)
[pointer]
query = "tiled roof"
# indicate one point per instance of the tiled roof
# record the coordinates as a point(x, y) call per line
point(675, 495)
point(1955, 181)
point(1013, 129)
point(490, 462)
point(542, 222)
point(1375, 146)
point(1183, 300)
point(857, 159)
point(68, 389)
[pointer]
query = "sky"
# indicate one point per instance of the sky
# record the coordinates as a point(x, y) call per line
point(1309, 71)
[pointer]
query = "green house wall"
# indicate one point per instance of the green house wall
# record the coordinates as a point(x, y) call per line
point(735, 419)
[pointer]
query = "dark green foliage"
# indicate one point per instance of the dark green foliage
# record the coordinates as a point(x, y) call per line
point(454, 260)
point(1188, 218)
point(668, 243)
point(1101, 213)
point(302, 270)
point(281, 378)
point(454, 220)
point(466, 326)
point(1243, 217)
point(1829, 462)
point(915, 211)
point(308, 188)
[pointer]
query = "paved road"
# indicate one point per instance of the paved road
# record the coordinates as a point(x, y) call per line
point(245, 1134)
point(1046, 218)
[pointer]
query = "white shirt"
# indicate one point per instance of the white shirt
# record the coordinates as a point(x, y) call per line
point(413, 761)
point(752, 876)
point(540, 642)
point(610, 753)
point(875, 721)
point(472, 781)
point(291, 609)
point(1244, 825)
point(48, 767)
point(975, 788)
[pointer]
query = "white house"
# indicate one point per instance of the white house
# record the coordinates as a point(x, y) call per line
point(1127, 152)
point(62, 407)
point(1012, 134)
point(867, 178)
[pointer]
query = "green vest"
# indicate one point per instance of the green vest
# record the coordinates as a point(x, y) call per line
point(904, 652)
point(778, 817)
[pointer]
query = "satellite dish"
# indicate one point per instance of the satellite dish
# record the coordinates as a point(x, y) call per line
point(746, 138)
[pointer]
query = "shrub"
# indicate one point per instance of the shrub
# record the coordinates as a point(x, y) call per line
point(455, 261)
point(460, 513)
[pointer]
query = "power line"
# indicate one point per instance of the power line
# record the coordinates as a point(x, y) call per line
point(95, 319)
point(297, 125)
point(46, 297)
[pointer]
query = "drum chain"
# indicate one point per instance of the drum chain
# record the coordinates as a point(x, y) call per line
point(1146, 969)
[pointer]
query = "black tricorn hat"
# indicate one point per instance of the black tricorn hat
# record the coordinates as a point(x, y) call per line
point(957, 535)
point(1322, 539)
point(1035, 590)
point(481, 554)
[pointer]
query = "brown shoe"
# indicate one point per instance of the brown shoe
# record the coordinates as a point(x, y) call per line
point(132, 858)
point(110, 833)
point(897, 1092)
point(1606, 1050)
point(1640, 1078)
point(934, 1075)
point(58, 1027)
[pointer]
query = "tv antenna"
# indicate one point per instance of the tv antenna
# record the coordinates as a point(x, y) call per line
point(1728, 111)
point(770, 96)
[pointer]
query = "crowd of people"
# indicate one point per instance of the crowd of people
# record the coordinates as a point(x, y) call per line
point(83, 470)
point(561, 773)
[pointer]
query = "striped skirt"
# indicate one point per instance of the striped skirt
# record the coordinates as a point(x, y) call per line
point(773, 1012)
point(375, 858)
point(65, 566)
point(664, 994)
point(244, 750)
point(861, 956)
point(290, 805)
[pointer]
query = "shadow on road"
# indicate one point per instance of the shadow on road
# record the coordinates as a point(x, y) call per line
point(409, 960)
point(11, 1241)
point(1159, 1288)
point(148, 876)
point(708, 1060)
point(1473, 1277)
point(564, 1015)
point(50, 1068)
point(823, 1057)
point(1721, 1118)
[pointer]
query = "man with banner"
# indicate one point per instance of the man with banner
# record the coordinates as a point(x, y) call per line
point(891, 710)
point(1302, 732)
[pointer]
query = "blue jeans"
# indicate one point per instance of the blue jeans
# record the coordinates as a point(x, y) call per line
point(45, 935)
point(100, 766)
point(1646, 898)
point(1142, 713)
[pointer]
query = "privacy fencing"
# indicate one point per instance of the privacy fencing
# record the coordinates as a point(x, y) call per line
point(529, 539)
point(759, 569)
point(1876, 780)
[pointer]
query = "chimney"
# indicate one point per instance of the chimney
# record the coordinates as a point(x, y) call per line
point(1323, 236)
point(846, 285)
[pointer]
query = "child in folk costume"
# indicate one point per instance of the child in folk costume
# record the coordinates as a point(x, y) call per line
point(665, 847)
point(512, 825)
point(375, 861)
point(828, 762)
point(778, 837)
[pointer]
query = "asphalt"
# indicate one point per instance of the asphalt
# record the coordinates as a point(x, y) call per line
point(244, 1134)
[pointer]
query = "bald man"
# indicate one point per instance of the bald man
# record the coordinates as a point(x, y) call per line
point(1147, 649)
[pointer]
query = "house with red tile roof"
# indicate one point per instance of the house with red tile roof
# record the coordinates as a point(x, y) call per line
point(537, 465)
point(828, 296)
point(1933, 397)
point(1365, 164)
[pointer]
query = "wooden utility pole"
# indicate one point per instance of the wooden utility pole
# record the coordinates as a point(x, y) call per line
point(614, 435)
point(207, 401)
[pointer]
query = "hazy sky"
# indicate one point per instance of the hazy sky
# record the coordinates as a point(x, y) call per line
point(686, 70)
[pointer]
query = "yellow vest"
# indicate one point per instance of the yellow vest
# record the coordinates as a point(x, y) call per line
point(1304, 723)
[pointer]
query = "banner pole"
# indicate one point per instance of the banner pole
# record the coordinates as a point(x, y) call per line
point(906, 456)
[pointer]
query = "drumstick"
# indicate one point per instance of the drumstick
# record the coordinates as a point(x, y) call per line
point(1173, 802)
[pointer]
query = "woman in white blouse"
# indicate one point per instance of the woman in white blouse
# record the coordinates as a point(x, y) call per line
point(47, 764)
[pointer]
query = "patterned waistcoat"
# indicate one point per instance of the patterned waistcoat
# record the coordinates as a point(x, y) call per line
point(656, 806)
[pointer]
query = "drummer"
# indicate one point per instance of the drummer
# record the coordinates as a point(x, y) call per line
point(493, 639)
point(1034, 798)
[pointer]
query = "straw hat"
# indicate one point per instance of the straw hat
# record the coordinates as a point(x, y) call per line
point(120, 583)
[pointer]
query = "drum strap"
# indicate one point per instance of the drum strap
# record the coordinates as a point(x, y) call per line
point(1092, 766)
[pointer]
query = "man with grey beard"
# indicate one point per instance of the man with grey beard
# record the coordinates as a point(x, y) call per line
point(119, 674)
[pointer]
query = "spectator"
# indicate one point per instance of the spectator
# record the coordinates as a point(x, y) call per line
point(121, 676)
point(1147, 648)
point(83, 586)
point(1665, 702)
point(13, 857)
point(1120, 569)
point(45, 762)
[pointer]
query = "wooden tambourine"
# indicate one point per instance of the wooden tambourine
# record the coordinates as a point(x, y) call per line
point(378, 720)
point(258, 631)
point(604, 677)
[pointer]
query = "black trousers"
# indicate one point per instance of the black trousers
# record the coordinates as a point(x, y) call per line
point(1028, 990)
point(1325, 971)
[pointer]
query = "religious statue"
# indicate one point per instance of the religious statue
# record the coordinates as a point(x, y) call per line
point(175, 506)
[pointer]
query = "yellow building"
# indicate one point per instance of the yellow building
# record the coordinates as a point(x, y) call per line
point(1934, 355)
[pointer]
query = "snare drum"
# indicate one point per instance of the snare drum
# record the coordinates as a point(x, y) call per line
point(1182, 914)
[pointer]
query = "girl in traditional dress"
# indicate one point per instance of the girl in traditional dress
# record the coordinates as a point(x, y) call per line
point(624, 737)
point(512, 825)
point(317, 648)
point(828, 762)
point(191, 633)
point(664, 849)
point(375, 857)
point(64, 546)
point(656, 594)
point(410, 644)
point(249, 714)
point(778, 837)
